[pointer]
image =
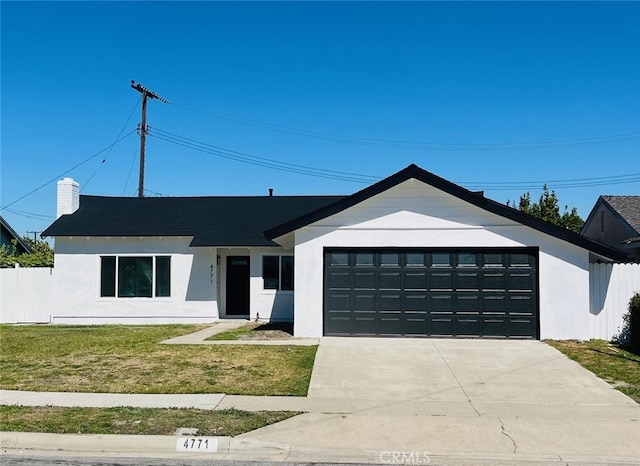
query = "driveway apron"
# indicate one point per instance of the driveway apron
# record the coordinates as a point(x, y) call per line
point(470, 397)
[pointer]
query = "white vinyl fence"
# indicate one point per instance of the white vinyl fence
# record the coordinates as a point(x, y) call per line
point(26, 295)
point(611, 287)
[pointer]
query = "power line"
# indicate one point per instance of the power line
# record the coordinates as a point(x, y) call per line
point(67, 171)
point(361, 178)
point(399, 144)
point(126, 182)
point(31, 215)
point(255, 160)
point(111, 148)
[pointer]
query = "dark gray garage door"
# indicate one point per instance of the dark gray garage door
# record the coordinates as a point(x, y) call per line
point(444, 293)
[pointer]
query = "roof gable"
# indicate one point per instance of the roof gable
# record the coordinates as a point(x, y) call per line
point(476, 199)
point(627, 208)
point(7, 234)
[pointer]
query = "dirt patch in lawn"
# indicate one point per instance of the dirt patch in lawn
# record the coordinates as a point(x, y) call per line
point(270, 331)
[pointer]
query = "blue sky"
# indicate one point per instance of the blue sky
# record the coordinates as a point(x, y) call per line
point(479, 93)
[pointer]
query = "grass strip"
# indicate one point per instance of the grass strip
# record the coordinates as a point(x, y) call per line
point(129, 359)
point(613, 364)
point(135, 421)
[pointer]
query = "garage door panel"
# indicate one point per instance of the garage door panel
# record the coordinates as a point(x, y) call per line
point(364, 302)
point(467, 280)
point(520, 327)
point(468, 303)
point(390, 302)
point(440, 302)
point(415, 302)
point(364, 280)
point(388, 280)
point(521, 280)
point(494, 303)
point(494, 326)
point(339, 280)
point(414, 280)
point(415, 324)
point(494, 281)
point(467, 326)
point(441, 325)
point(363, 323)
point(339, 302)
point(441, 280)
point(390, 323)
point(340, 325)
point(521, 303)
point(468, 293)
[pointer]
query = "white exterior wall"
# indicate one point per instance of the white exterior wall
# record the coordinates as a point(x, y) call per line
point(77, 300)
point(612, 286)
point(198, 283)
point(413, 214)
point(264, 304)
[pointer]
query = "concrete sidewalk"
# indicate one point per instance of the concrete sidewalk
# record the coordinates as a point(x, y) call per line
point(149, 447)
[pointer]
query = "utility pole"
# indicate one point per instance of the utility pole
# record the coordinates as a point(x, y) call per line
point(34, 235)
point(146, 94)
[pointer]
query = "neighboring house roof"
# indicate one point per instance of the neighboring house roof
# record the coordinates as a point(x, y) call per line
point(627, 208)
point(7, 234)
point(413, 171)
point(212, 221)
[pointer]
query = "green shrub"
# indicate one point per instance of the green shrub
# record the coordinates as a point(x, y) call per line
point(631, 326)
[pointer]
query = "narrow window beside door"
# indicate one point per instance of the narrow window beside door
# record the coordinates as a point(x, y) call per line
point(277, 273)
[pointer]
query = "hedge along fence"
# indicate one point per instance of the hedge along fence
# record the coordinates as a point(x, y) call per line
point(631, 329)
point(610, 288)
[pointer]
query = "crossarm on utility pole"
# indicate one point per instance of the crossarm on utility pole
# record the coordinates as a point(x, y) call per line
point(146, 94)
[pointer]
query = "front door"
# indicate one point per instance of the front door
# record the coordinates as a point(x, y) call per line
point(237, 285)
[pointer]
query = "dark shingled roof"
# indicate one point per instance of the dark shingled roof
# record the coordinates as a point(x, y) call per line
point(628, 207)
point(212, 221)
point(256, 221)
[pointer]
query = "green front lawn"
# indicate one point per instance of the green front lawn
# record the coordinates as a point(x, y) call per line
point(611, 363)
point(134, 421)
point(129, 359)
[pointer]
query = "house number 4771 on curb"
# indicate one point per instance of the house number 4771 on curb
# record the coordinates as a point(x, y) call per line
point(204, 444)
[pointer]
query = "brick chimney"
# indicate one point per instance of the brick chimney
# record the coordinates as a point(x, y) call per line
point(68, 196)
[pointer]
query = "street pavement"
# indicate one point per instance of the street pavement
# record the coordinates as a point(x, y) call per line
point(392, 401)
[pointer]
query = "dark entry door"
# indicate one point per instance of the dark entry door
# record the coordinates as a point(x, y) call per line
point(237, 285)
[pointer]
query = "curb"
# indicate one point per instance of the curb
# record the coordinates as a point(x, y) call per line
point(247, 449)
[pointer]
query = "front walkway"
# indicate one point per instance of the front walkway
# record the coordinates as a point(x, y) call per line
point(200, 337)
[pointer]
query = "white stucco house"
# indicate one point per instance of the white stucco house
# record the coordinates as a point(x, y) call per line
point(411, 255)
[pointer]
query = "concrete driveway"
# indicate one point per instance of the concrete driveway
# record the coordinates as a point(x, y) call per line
point(477, 400)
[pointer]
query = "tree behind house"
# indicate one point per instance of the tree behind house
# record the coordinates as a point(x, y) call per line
point(547, 208)
point(42, 255)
